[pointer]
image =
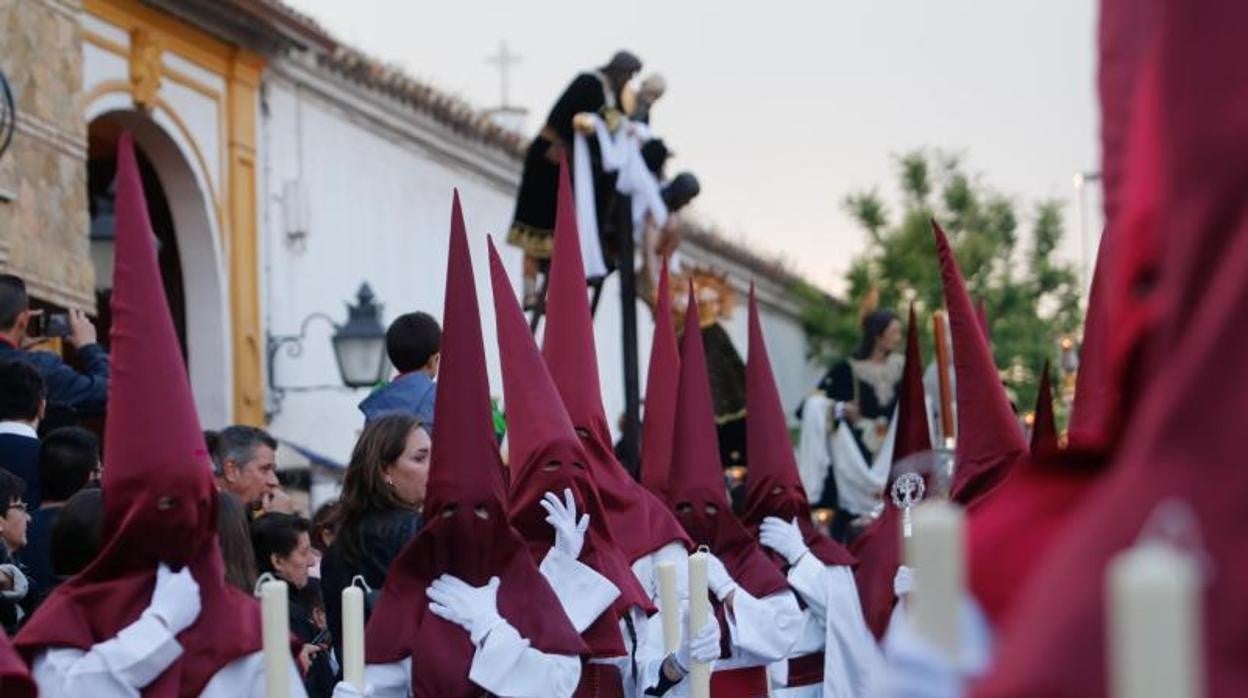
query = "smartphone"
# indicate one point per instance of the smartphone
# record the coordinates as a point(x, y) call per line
point(56, 325)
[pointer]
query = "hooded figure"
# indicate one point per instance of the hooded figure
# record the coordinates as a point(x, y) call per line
point(879, 547)
point(835, 653)
point(464, 608)
point(759, 616)
point(658, 427)
point(641, 524)
point(1044, 425)
point(989, 438)
point(550, 484)
point(152, 614)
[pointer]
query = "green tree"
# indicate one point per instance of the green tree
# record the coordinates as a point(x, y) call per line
point(1031, 297)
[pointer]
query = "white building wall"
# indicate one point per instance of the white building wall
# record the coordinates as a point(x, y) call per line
point(379, 211)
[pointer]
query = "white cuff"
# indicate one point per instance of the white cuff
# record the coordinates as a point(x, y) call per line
point(584, 593)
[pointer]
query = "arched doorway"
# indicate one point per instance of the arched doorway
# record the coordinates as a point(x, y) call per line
point(183, 214)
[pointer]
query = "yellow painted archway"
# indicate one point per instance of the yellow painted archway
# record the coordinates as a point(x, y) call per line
point(153, 35)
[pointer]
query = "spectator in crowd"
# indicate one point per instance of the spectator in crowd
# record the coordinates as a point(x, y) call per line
point(379, 510)
point(69, 459)
point(75, 538)
point(235, 540)
point(322, 533)
point(283, 549)
point(21, 407)
point(413, 343)
point(84, 392)
point(13, 582)
point(245, 464)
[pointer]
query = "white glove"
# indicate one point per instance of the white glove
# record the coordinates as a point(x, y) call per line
point(903, 582)
point(175, 600)
point(702, 647)
point(569, 533)
point(474, 609)
point(717, 578)
point(784, 537)
point(346, 690)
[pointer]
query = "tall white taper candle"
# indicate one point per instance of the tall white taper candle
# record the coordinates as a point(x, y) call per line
point(275, 616)
point(353, 637)
point(699, 615)
point(669, 606)
point(935, 551)
point(1154, 624)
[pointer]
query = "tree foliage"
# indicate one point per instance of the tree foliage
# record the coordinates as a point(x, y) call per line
point(1031, 297)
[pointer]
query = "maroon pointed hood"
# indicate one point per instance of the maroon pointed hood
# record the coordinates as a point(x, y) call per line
point(1044, 426)
point(640, 523)
point(697, 491)
point(465, 482)
point(1094, 404)
point(879, 547)
point(159, 496)
point(981, 317)
point(1183, 444)
point(546, 456)
point(989, 438)
point(775, 488)
point(658, 428)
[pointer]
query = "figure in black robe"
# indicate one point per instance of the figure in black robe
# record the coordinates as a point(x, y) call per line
point(532, 229)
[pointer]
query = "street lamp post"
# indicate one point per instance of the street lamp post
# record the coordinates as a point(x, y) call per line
point(1081, 178)
point(359, 347)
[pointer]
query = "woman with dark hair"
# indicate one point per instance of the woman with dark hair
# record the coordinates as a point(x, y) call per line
point(283, 550)
point(235, 542)
point(13, 519)
point(379, 509)
point(863, 389)
point(76, 534)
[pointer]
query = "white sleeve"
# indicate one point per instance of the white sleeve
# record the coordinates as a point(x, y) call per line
point(809, 578)
point(583, 592)
point(765, 628)
point(122, 666)
point(507, 665)
point(390, 680)
point(851, 656)
point(245, 677)
point(676, 554)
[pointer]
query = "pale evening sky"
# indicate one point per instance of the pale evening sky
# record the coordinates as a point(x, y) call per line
point(784, 107)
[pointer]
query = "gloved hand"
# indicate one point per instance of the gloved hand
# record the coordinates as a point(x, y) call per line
point(903, 582)
point(717, 578)
point(175, 600)
point(345, 690)
point(474, 609)
point(569, 533)
point(700, 647)
point(784, 537)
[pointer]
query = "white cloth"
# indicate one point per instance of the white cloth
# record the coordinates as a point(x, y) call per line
point(582, 591)
point(762, 631)
point(124, 665)
point(19, 429)
point(851, 658)
point(505, 665)
point(914, 668)
point(859, 484)
point(813, 457)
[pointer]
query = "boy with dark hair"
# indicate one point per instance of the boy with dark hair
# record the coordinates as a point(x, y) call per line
point(414, 344)
point(69, 459)
point(22, 405)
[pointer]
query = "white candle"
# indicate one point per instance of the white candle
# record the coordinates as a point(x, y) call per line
point(1154, 624)
point(935, 551)
point(275, 615)
point(353, 637)
point(669, 606)
point(699, 612)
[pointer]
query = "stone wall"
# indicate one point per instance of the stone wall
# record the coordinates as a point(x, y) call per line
point(43, 210)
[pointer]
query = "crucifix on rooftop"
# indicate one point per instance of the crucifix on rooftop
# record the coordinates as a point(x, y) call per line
point(504, 59)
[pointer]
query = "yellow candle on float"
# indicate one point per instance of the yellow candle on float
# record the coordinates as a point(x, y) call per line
point(669, 606)
point(353, 637)
point(699, 613)
point(935, 551)
point(1154, 624)
point(275, 616)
